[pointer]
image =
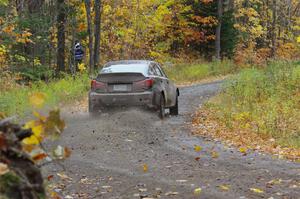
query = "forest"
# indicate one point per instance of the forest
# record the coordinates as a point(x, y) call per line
point(251, 47)
point(37, 37)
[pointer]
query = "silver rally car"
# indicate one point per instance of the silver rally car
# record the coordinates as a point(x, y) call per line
point(133, 83)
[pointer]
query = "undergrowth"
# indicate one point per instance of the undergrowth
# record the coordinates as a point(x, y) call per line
point(265, 101)
point(14, 101)
point(193, 72)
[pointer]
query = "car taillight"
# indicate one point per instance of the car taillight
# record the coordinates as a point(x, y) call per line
point(97, 85)
point(144, 84)
point(149, 83)
point(93, 84)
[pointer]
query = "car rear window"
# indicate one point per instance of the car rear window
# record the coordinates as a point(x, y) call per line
point(126, 68)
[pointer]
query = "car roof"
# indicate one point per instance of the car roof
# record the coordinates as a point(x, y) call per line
point(128, 62)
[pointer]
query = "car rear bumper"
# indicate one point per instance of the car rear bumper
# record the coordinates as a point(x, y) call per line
point(122, 99)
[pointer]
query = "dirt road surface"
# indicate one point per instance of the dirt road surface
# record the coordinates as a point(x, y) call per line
point(133, 154)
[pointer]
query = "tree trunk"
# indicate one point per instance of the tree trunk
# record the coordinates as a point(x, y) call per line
point(20, 6)
point(89, 30)
point(35, 5)
point(289, 15)
point(97, 34)
point(218, 30)
point(61, 20)
point(274, 11)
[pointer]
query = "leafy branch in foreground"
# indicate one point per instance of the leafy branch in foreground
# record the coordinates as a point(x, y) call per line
point(22, 152)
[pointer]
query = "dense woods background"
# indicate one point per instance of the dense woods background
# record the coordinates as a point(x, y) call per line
point(259, 40)
point(36, 36)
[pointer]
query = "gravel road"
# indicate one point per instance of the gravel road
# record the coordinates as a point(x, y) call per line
point(132, 154)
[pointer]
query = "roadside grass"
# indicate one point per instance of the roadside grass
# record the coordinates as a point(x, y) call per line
point(262, 103)
point(184, 73)
point(14, 97)
point(15, 101)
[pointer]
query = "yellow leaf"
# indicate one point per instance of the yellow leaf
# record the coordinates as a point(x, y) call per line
point(197, 148)
point(37, 130)
point(224, 187)
point(81, 27)
point(256, 190)
point(214, 154)
point(30, 124)
point(197, 191)
point(3, 169)
point(243, 150)
point(145, 167)
point(2, 115)
point(298, 39)
point(275, 181)
point(81, 67)
point(39, 116)
point(37, 99)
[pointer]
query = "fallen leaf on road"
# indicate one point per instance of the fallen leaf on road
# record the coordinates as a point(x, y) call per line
point(3, 169)
point(67, 152)
point(197, 158)
point(197, 148)
point(61, 152)
point(63, 176)
point(243, 150)
point(54, 195)
point(58, 151)
point(256, 190)
point(171, 193)
point(181, 181)
point(50, 177)
point(39, 157)
point(197, 191)
point(108, 188)
point(86, 181)
point(145, 167)
point(224, 187)
point(275, 181)
point(214, 154)
point(158, 189)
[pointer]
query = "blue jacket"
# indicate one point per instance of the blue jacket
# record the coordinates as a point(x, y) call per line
point(78, 53)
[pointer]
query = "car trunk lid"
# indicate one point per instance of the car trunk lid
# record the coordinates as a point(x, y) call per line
point(124, 82)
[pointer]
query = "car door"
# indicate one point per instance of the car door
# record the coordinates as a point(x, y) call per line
point(170, 88)
point(164, 83)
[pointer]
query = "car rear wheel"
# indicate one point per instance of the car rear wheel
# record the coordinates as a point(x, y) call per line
point(174, 109)
point(92, 108)
point(162, 112)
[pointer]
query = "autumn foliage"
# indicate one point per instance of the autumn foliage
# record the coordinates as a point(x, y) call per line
point(22, 152)
point(252, 32)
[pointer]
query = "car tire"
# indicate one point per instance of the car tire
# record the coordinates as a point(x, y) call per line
point(162, 111)
point(92, 108)
point(174, 109)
